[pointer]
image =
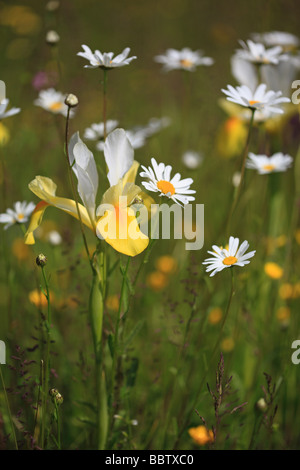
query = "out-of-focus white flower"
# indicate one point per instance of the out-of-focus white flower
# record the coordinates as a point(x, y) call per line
point(258, 54)
point(283, 39)
point(192, 159)
point(138, 135)
point(186, 59)
point(278, 162)
point(236, 179)
point(54, 237)
point(223, 258)
point(105, 60)
point(3, 113)
point(159, 180)
point(20, 214)
point(259, 99)
point(96, 131)
point(53, 101)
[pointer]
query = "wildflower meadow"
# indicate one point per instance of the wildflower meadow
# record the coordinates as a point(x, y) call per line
point(149, 226)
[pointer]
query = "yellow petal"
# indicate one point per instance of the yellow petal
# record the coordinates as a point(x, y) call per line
point(45, 189)
point(35, 220)
point(119, 228)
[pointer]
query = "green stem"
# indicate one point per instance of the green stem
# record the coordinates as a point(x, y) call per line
point(8, 409)
point(104, 102)
point(96, 308)
point(245, 154)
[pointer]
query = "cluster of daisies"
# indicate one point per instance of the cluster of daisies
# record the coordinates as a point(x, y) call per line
point(259, 53)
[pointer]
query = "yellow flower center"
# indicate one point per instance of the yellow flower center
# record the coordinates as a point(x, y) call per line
point(230, 260)
point(20, 217)
point(56, 106)
point(166, 187)
point(186, 63)
point(252, 102)
point(269, 167)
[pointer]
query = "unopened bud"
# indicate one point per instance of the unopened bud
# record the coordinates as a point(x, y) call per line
point(56, 396)
point(261, 405)
point(52, 38)
point(41, 260)
point(71, 100)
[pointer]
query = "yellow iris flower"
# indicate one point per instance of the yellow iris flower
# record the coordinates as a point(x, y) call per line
point(115, 219)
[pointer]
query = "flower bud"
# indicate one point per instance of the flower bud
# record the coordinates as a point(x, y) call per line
point(41, 260)
point(56, 396)
point(71, 100)
point(261, 405)
point(52, 38)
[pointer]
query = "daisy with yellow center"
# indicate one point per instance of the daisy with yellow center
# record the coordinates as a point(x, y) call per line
point(53, 101)
point(186, 59)
point(278, 162)
point(260, 99)
point(20, 214)
point(159, 180)
point(226, 258)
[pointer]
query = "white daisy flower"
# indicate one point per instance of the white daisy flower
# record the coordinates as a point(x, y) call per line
point(264, 164)
point(192, 159)
point(20, 214)
point(53, 101)
point(278, 38)
point(105, 60)
point(186, 59)
point(3, 113)
point(225, 258)
point(96, 131)
point(258, 54)
point(259, 99)
point(160, 181)
point(138, 135)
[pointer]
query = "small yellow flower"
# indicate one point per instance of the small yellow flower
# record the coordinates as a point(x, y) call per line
point(112, 302)
point(231, 137)
point(157, 280)
point(296, 290)
point(215, 315)
point(4, 135)
point(227, 344)
point(286, 291)
point(273, 270)
point(201, 435)
point(37, 298)
point(166, 264)
point(283, 314)
point(297, 236)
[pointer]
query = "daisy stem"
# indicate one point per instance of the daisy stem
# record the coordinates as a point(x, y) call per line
point(8, 409)
point(104, 102)
point(238, 191)
point(73, 186)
